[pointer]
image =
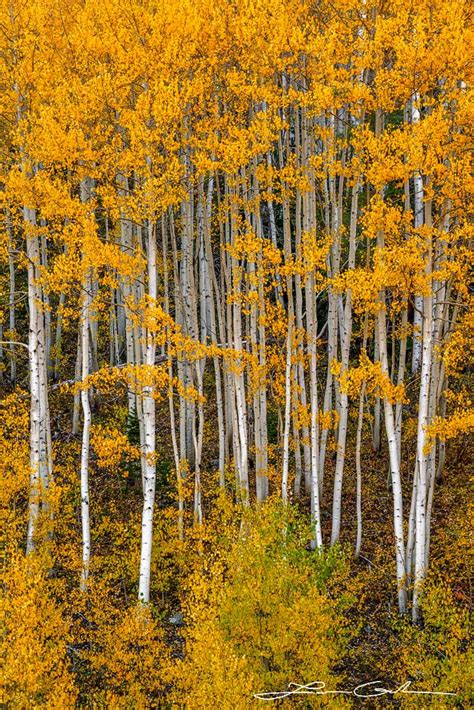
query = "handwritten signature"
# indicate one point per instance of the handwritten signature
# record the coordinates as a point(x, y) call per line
point(364, 690)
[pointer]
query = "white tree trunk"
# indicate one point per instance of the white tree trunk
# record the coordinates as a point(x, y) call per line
point(287, 419)
point(346, 335)
point(422, 456)
point(418, 209)
point(11, 296)
point(391, 431)
point(394, 468)
point(32, 252)
point(317, 541)
point(149, 442)
point(86, 412)
point(86, 188)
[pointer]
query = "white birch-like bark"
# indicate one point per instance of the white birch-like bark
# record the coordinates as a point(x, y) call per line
point(391, 431)
point(198, 434)
point(422, 456)
point(40, 433)
point(45, 299)
point(125, 324)
point(309, 226)
point(317, 541)
point(411, 534)
point(11, 297)
point(287, 417)
point(360, 422)
point(332, 217)
point(263, 435)
point(33, 361)
point(180, 366)
point(394, 466)
point(418, 209)
point(174, 441)
point(86, 424)
point(149, 433)
point(400, 379)
point(86, 188)
point(301, 381)
point(215, 318)
point(189, 322)
point(240, 419)
point(376, 440)
point(346, 334)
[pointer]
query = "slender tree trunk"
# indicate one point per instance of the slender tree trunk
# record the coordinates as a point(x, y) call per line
point(11, 297)
point(376, 440)
point(312, 333)
point(346, 328)
point(86, 412)
point(390, 430)
point(360, 422)
point(149, 442)
point(400, 379)
point(422, 457)
point(287, 419)
point(36, 462)
point(418, 207)
point(86, 188)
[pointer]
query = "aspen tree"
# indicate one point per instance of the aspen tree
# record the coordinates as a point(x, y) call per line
point(390, 428)
point(287, 418)
point(149, 433)
point(11, 295)
point(38, 454)
point(346, 327)
point(422, 457)
point(418, 212)
point(86, 301)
